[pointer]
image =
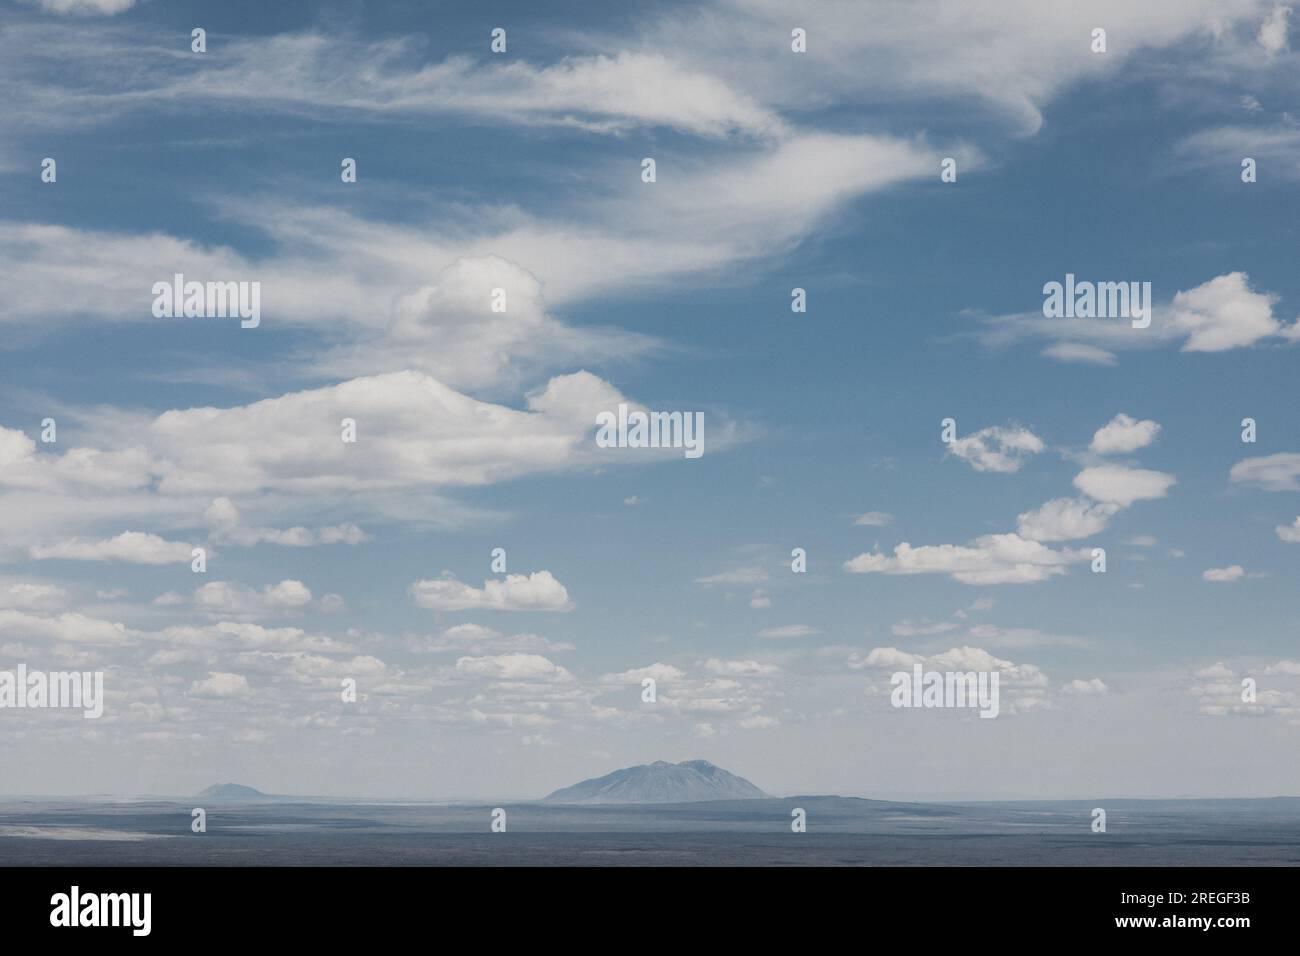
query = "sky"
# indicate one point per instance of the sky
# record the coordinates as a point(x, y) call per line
point(371, 561)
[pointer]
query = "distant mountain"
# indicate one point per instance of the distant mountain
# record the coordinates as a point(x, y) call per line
point(233, 791)
point(691, 781)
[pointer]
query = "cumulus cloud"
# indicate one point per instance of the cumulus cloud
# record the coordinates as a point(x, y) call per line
point(221, 685)
point(1024, 687)
point(990, 559)
point(1225, 313)
point(660, 673)
point(1233, 572)
point(1289, 533)
point(1222, 313)
point(539, 591)
point(227, 528)
point(1065, 519)
point(1280, 472)
point(132, 547)
point(513, 667)
point(996, 449)
point(225, 600)
point(1121, 486)
point(32, 596)
point(1124, 434)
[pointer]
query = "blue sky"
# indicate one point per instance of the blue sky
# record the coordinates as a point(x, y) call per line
point(775, 170)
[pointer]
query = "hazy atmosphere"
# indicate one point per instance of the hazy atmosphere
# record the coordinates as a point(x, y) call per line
point(376, 522)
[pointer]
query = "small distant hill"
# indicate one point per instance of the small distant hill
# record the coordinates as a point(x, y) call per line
point(233, 791)
point(691, 781)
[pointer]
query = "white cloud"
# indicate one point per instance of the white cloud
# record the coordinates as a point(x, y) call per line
point(1085, 688)
point(740, 668)
point(222, 599)
point(996, 449)
point(1123, 434)
point(1233, 572)
point(1024, 686)
point(1272, 147)
point(1081, 353)
point(738, 576)
point(30, 596)
point(132, 547)
point(873, 519)
point(1220, 314)
point(923, 628)
point(227, 528)
point(788, 630)
point(1064, 519)
point(660, 673)
point(105, 8)
point(69, 627)
point(996, 636)
point(1273, 31)
point(1224, 313)
point(513, 667)
point(1280, 472)
point(1289, 532)
point(990, 559)
point(539, 591)
point(221, 685)
point(1121, 486)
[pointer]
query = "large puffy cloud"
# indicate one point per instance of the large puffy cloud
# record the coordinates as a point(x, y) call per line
point(1225, 313)
point(414, 434)
point(539, 591)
